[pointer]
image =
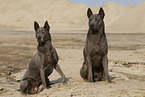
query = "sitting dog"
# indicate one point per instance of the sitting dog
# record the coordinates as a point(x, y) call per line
point(95, 66)
point(42, 63)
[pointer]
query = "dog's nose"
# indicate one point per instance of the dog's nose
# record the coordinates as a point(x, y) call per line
point(39, 37)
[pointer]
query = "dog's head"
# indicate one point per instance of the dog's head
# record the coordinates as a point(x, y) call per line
point(95, 20)
point(42, 33)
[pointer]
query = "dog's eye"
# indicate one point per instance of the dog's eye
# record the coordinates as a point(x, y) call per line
point(96, 18)
point(43, 32)
point(90, 19)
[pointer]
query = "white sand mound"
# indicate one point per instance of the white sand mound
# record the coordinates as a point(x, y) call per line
point(63, 14)
point(132, 21)
point(59, 13)
point(114, 11)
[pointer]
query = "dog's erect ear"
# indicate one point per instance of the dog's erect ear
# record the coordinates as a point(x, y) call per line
point(36, 26)
point(101, 12)
point(89, 12)
point(46, 26)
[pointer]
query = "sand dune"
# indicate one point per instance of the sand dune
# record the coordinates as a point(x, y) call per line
point(63, 14)
point(59, 13)
point(133, 20)
point(114, 11)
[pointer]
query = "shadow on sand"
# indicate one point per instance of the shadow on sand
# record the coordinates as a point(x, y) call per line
point(59, 80)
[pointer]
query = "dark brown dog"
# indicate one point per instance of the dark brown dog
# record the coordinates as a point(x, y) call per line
point(42, 64)
point(95, 66)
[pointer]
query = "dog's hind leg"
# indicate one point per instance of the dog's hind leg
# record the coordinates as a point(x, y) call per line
point(83, 72)
point(23, 85)
point(28, 86)
point(58, 69)
point(40, 86)
point(98, 76)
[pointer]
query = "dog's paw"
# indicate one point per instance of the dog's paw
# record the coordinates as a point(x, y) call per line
point(109, 81)
point(48, 87)
point(90, 79)
point(64, 81)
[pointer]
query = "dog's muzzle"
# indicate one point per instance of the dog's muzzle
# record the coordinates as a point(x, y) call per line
point(93, 29)
point(39, 39)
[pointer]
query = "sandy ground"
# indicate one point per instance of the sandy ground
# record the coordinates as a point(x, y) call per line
point(126, 65)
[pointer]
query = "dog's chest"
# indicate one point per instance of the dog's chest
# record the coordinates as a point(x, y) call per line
point(96, 45)
point(97, 48)
point(94, 50)
point(48, 60)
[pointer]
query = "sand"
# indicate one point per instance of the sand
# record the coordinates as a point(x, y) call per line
point(59, 13)
point(65, 15)
point(132, 21)
point(126, 65)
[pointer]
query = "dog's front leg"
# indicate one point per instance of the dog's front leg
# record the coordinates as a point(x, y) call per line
point(90, 73)
point(42, 74)
point(105, 66)
point(58, 69)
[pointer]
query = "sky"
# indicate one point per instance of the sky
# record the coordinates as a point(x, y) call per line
point(102, 2)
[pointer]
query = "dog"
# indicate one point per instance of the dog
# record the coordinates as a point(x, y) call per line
point(42, 63)
point(95, 65)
